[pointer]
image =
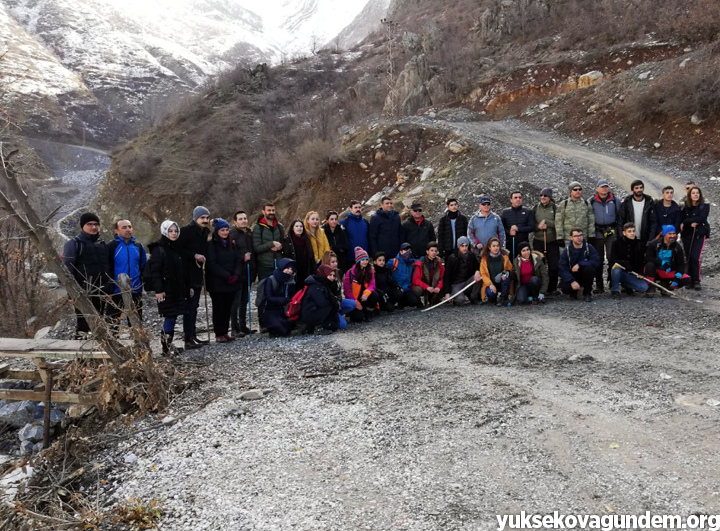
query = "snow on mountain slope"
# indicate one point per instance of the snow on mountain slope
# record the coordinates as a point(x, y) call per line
point(365, 23)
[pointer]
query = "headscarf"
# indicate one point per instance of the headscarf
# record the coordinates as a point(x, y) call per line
point(165, 227)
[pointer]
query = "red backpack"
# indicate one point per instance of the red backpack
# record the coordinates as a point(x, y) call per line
point(294, 306)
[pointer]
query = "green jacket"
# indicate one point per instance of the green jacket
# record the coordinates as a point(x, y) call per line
point(574, 214)
point(263, 236)
point(548, 214)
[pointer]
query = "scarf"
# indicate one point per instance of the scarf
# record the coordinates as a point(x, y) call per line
point(453, 215)
point(298, 241)
point(263, 221)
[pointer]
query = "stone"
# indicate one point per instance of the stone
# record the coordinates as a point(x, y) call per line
point(410, 92)
point(696, 120)
point(37, 448)
point(17, 414)
point(26, 447)
point(346, 130)
point(394, 132)
point(684, 62)
point(657, 145)
point(593, 108)
point(581, 357)
point(379, 155)
point(130, 459)
point(31, 432)
point(456, 147)
point(56, 416)
point(43, 332)
point(712, 402)
point(664, 376)
point(426, 174)
point(363, 166)
point(590, 78)
point(644, 75)
point(77, 411)
point(252, 395)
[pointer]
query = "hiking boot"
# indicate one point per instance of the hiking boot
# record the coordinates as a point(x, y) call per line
point(587, 298)
point(500, 301)
point(221, 339)
point(166, 342)
point(190, 345)
point(698, 286)
point(574, 295)
point(323, 332)
point(238, 334)
point(247, 331)
point(200, 341)
point(615, 295)
point(649, 294)
point(556, 293)
point(630, 292)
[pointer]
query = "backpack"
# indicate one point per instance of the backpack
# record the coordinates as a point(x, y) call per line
point(146, 275)
point(260, 297)
point(295, 305)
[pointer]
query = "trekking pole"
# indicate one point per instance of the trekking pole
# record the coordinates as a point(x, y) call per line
point(207, 314)
point(692, 242)
point(663, 288)
point(513, 247)
point(249, 304)
point(545, 240)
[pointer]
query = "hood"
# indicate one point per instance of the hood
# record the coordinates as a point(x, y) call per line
point(283, 263)
point(356, 217)
point(389, 215)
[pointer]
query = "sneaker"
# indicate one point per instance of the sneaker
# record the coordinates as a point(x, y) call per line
point(238, 334)
point(228, 338)
point(200, 341)
point(556, 293)
point(574, 295)
point(500, 301)
point(587, 298)
point(247, 331)
point(189, 345)
point(698, 286)
point(649, 294)
point(324, 332)
point(615, 295)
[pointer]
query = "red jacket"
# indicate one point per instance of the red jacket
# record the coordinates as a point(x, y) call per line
point(421, 279)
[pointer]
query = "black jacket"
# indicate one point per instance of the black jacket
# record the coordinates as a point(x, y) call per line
point(667, 216)
point(86, 257)
point(676, 260)
point(697, 214)
point(223, 261)
point(168, 274)
point(418, 235)
point(524, 219)
point(385, 233)
point(649, 227)
point(304, 259)
point(244, 244)
point(338, 241)
point(384, 281)
point(446, 242)
point(628, 253)
point(459, 269)
point(193, 240)
point(319, 306)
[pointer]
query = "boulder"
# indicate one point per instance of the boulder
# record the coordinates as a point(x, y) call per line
point(56, 416)
point(413, 42)
point(26, 447)
point(426, 174)
point(410, 92)
point(32, 433)
point(43, 332)
point(17, 414)
point(589, 79)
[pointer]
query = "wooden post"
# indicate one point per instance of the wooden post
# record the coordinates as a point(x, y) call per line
point(136, 328)
point(48, 404)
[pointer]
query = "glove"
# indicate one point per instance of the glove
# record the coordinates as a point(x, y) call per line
point(232, 279)
point(674, 284)
point(668, 270)
point(498, 278)
point(541, 297)
point(678, 275)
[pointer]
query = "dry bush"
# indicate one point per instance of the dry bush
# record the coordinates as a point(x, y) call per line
point(313, 159)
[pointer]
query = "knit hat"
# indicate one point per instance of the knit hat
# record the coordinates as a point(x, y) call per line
point(547, 192)
point(88, 217)
point(325, 270)
point(574, 184)
point(667, 229)
point(361, 254)
point(200, 211)
point(219, 223)
point(463, 240)
point(165, 227)
point(522, 246)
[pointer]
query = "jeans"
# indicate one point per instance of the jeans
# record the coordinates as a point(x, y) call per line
point(190, 315)
point(503, 288)
point(468, 295)
point(169, 324)
point(531, 289)
point(618, 276)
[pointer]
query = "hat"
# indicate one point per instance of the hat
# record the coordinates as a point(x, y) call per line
point(200, 211)
point(547, 192)
point(463, 240)
point(602, 182)
point(416, 206)
point(361, 254)
point(88, 217)
point(522, 246)
point(219, 223)
point(405, 245)
point(485, 199)
point(325, 270)
point(574, 184)
point(667, 229)
point(165, 227)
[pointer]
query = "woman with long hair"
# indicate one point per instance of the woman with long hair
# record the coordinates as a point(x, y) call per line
point(224, 267)
point(298, 248)
point(694, 230)
point(495, 269)
point(346, 305)
point(359, 285)
point(337, 238)
point(318, 240)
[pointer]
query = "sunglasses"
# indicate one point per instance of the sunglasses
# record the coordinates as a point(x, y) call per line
point(576, 189)
point(485, 204)
point(417, 209)
point(544, 195)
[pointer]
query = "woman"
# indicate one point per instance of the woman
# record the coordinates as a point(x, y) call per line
point(530, 275)
point(170, 282)
point(337, 238)
point(298, 248)
point(694, 230)
point(346, 305)
point(319, 305)
point(495, 269)
point(223, 268)
point(279, 290)
point(359, 285)
point(318, 240)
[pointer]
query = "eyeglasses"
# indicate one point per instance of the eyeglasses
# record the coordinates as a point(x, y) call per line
point(577, 236)
point(577, 189)
point(417, 209)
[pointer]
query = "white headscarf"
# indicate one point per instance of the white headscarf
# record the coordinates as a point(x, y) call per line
point(165, 227)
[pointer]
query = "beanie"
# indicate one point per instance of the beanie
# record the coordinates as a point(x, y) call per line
point(361, 254)
point(200, 211)
point(523, 245)
point(219, 223)
point(463, 240)
point(574, 184)
point(325, 270)
point(667, 229)
point(547, 192)
point(88, 217)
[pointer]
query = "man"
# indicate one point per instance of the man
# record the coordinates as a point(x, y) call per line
point(461, 268)
point(574, 212)
point(402, 272)
point(628, 252)
point(267, 238)
point(545, 237)
point(417, 230)
point(86, 257)
point(192, 244)
point(665, 262)
point(243, 241)
point(452, 225)
point(385, 232)
point(518, 222)
point(578, 263)
point(639, 208)
point(667, 211)
point(484, 225)
point(126, 256)
point(356, 228)
point(606, 208)
point(427, 279)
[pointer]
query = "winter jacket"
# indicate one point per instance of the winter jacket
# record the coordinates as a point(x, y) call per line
point(303, 258)
point(243, 240)
point(671, 215)
point(459, 268)
point(86, 257)
point(223, 262)
point(193, 240)
point(167, 269)
point(319, 306)
point(357, 229)
point(665, 256)
point(547, 213)
point(354, 288)
point(384, 281)
point(539, 270)
point(628, 253)
point(574, 215)
point(402, 270)
point(318, 241)
point(264, 234)
point(586, 256)
point(485, 273)
point(523, 218)
point(128, 258)
point(338, 240)
point(649, 219)
point(279, 290)
point(418, 235)
point(385, 233)
point(606, 214)
point(697, 214)
point(424, 277)
point(482, 228)
point(447, 240)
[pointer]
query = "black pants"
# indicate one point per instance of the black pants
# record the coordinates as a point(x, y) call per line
point(82, 326)
point(603, 246)
point(404, 297)
point(552, 255)
point(115, 310)
point(583, 276)
point(190, 316)
point(222, 305)
point(693, 248)
point(357, 314)
point(239, 309)
point(659, 276)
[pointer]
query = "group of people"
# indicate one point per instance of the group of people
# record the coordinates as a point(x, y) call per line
point(323, 273)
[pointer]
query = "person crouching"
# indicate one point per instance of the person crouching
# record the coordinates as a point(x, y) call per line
point(320, 305)
point(359, 284)
point(495, 269)
point(427, 279)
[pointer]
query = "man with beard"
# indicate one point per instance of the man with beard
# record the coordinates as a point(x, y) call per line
point(665, 261)
point(242, 239)
point(545, 238)
point(267, 235)
point(518, 222)
point(639, 208)
point(386, 233)
point(452, 225)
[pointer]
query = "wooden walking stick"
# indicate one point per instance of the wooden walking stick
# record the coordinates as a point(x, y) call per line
point(207, 315)
point(545, 240)
point(449, 298)
point(663, 288)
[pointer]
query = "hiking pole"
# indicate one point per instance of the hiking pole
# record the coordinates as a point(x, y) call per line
point(545, 240)
point(663, 288)
point(449, 298)
point(249, 304)
point(207, 315)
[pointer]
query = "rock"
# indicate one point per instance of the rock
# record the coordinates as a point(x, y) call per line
point(712, 402)
point(37, 448)
point(581, 357)
point(77, 411)
point(664, 376)
point(26, 447)
point(31, 432)
point(346, 130)
point(363, 166)
point(696, 120)
point(56, 416)
point(417, 190)
point(50, 280)
point(252, 395)
point(684, 62)
point(456, 147)
point(17, 414)
point(399, 178)
point(43, 332)
point(32, 320)
point(657, 145)
point(593, 108)
point(644, 75)
point(427, 173)
point(130, 459)
point(589, 79)
point(413, 42)
point(394, 132)
point(410, 92)
point(379, 155)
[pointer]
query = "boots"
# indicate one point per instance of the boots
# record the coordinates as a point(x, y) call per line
point(166, 340)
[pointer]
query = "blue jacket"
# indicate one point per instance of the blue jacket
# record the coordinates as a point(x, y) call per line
point(128, 258)
point(356, 228)
point(385, 233)
point(402, 271)
point(482, 228)
point(584, 257)
point(607, 214)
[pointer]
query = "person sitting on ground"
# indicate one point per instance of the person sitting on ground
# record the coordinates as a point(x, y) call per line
point(495, 270)
point(402, 270)
point(169, 280)
point(315, 232)
point(531, 275)
point(224, 267)
point(319, 306)
point(695, 228)
point(428, 273)
point(461, 269)
point(628, 252)
point(279, 290)
point(665, 262)
point(346, 305)
point(297, 247)
point(359, 284)
point(578, 263)
point(384, 282)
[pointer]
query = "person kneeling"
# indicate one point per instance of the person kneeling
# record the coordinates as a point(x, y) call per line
point(578, 263)
point(665, 260)
point(319, 305)
point(495, 269)
point(462, 269)
point(359, 284)
point(628, 255)
point(427, 279)
point(531, 275)
point(279, 290)
point(384, 282)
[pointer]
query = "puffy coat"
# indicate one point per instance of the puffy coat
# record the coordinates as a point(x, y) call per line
point(459, 268)
point(244, 244)
point(263, 236)
point(648, 227)
point(424, 278)
point(338, 240)
point(607, 214)
point(574, 214)
point(223, 261)
point(666, 256)
point(447, 241)
point(385, 233)
point(319, 306)
point(193, 240)
point(418, 235)
point(401, 271)
point(628, 253)
point(547, 213)
point(127, 258)
point(482, 228)
point(354, 288)
point(539, 270)
point(279, 290)
point(696, 214)
point(167, 268)
point(671, 215)
point(584, 257)
point(485, 273)
point(86, 257)
point(357, 229)
point(318, 241)
point(521, 217)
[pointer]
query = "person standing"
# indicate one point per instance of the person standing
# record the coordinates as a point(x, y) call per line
point(224, 267)
point(485, 224)
point(451, 226)
point(337, 238)
point(192, 243)
point(606, 208)
point(417, 230)
point(428, 273)
point(318, 241)
point(385, 233)
point(574, 212)
point(268, 235)
point(667, 211)
point(628, 252)
point(695, 229)
point(243, 241)
point(462, 268)
point(545, 237)
point(126, 256)
point(518, 222)
point(578, 263)
point(639, 208)
point(356, 227)
point(298, 248)
point(86, 257)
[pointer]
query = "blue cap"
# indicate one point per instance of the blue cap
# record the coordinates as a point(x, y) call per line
point(485, 199)
point(667, 229)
